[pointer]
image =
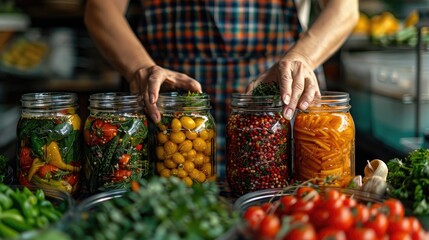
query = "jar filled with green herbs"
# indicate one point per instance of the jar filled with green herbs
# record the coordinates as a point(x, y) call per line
point(116, 142)
point(48, 136)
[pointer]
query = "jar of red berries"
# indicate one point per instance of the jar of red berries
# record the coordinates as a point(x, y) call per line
point(258, 154)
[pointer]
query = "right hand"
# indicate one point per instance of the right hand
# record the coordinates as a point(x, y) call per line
point(149, 81)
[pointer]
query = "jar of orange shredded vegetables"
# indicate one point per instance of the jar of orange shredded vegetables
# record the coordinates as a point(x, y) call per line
point(324, 141)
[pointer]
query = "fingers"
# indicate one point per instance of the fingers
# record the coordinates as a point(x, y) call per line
point(150, 81)
point(298, 86)
point(181, 81)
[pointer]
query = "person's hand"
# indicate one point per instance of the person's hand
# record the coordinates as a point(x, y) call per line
point(149, 81)
point(297, 81)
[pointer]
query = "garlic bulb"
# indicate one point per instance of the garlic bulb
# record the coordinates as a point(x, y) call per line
point(376, 167)
point(356, 182)
point(375, 184)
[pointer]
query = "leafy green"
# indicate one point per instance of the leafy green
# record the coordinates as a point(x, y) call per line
point(266, 89)
point(409, 178)
point(161, 208)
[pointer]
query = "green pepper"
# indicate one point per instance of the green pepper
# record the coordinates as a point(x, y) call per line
point(51, 214)
point(37, 145)
point(5, 201)
point(40, 195)
point(7, 232)
point(13, 218)
point(60, 131)
point(5, 189)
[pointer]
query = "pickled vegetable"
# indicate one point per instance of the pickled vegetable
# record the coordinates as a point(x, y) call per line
point(116, 151)
point(185, 145)
point(48, 150)
point(324, 145)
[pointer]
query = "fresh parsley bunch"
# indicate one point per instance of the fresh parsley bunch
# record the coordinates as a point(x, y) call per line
point(160, 208)
point(409, 178)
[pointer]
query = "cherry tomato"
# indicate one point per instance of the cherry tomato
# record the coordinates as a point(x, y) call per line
point(308, 193)
point(123, 160)
point(139, 147)
point(304, 231)
point(400, 236)
point(286, 203)
point(300, 217)
point(319, 217)
point(333, 199)
point(253, 216)
point(303, 205)
point(375, 208)
point(332, 194)
point(420, 235)
point(72, 179)
point(47, 171)
point(269, 226)
point(331, 234)
point(120, 175)
point(340, 218)
point(100, 132)
point(25, 159)
point(360, 213)
point(394, 209)
point(416, 226)
point(22, 178)
point(361, 233)
point(350, 202)
point(379, 223)
point(399, 225)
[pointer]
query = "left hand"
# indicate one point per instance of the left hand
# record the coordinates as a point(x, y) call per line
point(297, 81)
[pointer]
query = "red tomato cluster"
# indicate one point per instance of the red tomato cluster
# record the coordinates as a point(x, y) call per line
point(333, 215)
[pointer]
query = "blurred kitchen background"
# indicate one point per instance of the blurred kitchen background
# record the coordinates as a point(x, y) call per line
point(44, 47)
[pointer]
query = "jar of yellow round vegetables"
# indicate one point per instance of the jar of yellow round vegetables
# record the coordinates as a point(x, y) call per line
point(48, 135)
point(324, 141)
point(185, 140)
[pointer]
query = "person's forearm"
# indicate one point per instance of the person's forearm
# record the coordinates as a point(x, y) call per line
point(328, 32)
point(114, 37)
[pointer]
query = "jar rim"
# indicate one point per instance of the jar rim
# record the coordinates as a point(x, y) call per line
point(53, 100)
point(114, 101)
point(337, 97)
point(242, 100)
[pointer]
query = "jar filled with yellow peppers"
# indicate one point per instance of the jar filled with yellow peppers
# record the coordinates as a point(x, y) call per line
point(324, 141)
point(48, 135)
point(186, 138)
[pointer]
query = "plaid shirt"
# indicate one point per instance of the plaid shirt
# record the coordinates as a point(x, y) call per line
point(224, 44)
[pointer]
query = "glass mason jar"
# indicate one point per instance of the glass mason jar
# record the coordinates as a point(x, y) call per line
point(186, 138)
point(48, 141)
point(258, 141)
point(324, 141)
point(116, 142)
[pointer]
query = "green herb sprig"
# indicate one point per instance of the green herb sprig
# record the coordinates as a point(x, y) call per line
point(266, 89)
point(409, 178)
